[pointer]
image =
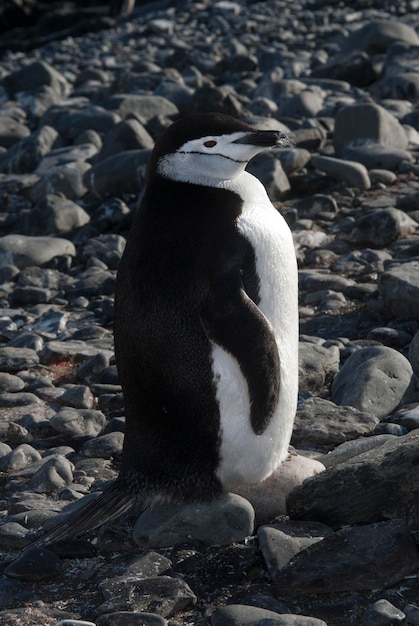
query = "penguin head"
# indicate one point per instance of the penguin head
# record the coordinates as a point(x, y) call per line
point(209, 148)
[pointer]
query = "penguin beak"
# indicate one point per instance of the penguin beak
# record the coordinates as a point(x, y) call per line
point(265, 139)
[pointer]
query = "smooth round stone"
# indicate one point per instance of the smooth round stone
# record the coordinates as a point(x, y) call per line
point(268, 498)
point(128, 618)
point(223, 520)
point(374, 379)
point(383, 613)
point(105, 446)
point(14, 536)
point(353, 173)
point(10, 383)
point(25, 251)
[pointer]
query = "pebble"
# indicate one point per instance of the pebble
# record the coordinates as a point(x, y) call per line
point(78, 119)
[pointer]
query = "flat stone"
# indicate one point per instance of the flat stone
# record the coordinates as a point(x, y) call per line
point(243, 615)
point(14, 359)
point(164, 594)
point(357, 558)
point(324, 423)
point(382, 483)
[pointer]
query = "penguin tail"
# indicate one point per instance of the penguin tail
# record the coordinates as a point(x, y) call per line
point(110, 504)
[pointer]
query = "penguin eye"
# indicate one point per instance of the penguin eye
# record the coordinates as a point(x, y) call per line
point(210, 143)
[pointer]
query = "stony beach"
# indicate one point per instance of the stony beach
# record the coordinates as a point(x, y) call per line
point(332, 539)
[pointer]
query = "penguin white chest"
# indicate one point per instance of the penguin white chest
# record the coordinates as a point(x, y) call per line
point(244, 456)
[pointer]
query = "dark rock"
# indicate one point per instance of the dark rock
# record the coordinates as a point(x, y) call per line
point(33, 565)
point(361, 557)
point(381, 481)
point(163, 594)
point(398, 288)
point(323, 423)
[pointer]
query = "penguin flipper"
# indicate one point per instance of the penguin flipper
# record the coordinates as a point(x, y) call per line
point(233, 321)
point(111, 503)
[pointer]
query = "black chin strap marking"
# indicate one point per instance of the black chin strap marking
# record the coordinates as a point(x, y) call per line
point(211, 154)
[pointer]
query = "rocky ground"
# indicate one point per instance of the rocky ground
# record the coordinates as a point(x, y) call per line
point(78, 118)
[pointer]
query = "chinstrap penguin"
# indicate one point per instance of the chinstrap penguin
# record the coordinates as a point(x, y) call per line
point(205, 325)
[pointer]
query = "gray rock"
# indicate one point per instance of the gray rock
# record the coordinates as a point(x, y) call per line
point(37, 86)
point(10, 383)
point(55, 215)
point(353, 66)
point(398, 288)
point(412, 614)
point(105, 446)
point(353, 173)
point(20, 457)
point(377, 156)
point(323, 423)
point(383, 613)
point(242, 615)
point(317, 365)
point(145, 107)
point(127, 135)
point(33, 565)
point(163, 594)
point(374, 380)
point(376, 36)
point(280, 542)
point(65, 156)
point(293, 160)
point(367, 123)
point(269, 170)
point(350, 449)
point(14, 536)
point(78, 422)
point(17, 399)
point(128, 618)
point(70, 121)
point(117, 175)
point(361, 557)
point(414, 353)
point(229, 518)
point(11, 131)
point(24, 251)
point(106, 248)
point(23, 157)
point(54, 474)
point(14, 359)
point(66, 179)
point(77, 396)
point(381, 481)
point(379, 228)
point(74, 350)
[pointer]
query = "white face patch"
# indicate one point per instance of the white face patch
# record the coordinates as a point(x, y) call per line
point(208, 160)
